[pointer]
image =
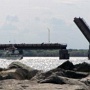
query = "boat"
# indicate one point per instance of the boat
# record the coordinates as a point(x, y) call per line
point(11, 53)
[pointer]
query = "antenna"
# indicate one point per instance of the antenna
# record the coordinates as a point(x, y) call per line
point(48, 35)
point(9, 42)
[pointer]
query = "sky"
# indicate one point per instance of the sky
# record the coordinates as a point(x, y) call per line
point(29, 21)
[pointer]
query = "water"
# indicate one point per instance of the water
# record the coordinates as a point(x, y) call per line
point(43, 63)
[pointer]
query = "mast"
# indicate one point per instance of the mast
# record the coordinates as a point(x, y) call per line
point(48, 35)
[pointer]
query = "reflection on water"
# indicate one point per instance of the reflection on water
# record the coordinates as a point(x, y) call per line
point(43, 63)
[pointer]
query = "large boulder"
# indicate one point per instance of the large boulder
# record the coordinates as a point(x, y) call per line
point(86, 80)
point(61, 72)
point(19, 65)
point(59, 80)
point(56, 79)
point(75, 75)
point(8, 74)
point(1, 69)
point(67, 65)
point(22, 70)
point(82, 67)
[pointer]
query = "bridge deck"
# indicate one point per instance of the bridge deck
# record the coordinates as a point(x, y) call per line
point(35, 46)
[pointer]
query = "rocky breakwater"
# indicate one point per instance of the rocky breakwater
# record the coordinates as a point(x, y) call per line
point(66, 76)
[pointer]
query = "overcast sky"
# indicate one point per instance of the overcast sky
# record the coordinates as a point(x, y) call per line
point(27, 21)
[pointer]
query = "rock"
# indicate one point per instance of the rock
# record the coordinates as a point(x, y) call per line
point(56, 79)
point(17, 70)
point(86, 80)
point(17, 73)
point(59, 80)
point(52, 79)
point(67, 73)
point(83, 67)
point(19, 65)
point(44, 75)
point(75, 75)
point(67, 65)
point(1, 78)
point(1, 69)
point(60, 72)
point(20, 74)
point(7, 74)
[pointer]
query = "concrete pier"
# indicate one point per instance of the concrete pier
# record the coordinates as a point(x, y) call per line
point(63, 54)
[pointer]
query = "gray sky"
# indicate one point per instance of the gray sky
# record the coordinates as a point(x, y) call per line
point(27, 21)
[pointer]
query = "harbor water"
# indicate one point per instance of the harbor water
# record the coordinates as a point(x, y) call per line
point(43, 63)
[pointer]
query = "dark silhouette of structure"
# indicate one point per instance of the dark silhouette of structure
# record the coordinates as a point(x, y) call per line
point(63, 52)
point(84, 28)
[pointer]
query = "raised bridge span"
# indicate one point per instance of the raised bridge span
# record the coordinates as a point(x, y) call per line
point(63, 52)
point(85, 29)
point(83, 26)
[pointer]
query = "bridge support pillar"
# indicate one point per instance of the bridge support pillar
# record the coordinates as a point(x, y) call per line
point(63, 54)
point(89, 52)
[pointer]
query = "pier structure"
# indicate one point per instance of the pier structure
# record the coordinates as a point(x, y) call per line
point(63, 52)
point(84, 28)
